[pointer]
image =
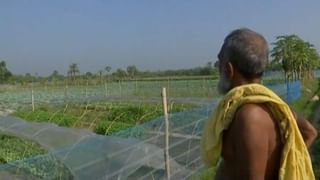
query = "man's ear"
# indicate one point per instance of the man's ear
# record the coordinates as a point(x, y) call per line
point(230, 70)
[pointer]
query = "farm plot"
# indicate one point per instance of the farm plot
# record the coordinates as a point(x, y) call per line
point(127, 120)
point(96, 153)
point(51, 94)
point(38, 95)
point(102, 118)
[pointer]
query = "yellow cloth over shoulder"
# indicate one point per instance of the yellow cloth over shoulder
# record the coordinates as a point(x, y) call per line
point(295, 159)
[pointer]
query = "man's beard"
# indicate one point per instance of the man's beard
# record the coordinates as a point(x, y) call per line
point(224, 85)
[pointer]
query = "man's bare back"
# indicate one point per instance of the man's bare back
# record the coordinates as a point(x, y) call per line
point(251, 146)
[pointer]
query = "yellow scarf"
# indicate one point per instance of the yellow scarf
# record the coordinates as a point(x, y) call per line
point(295, 159)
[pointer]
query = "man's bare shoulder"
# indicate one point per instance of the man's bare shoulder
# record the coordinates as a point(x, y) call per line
point(252, 119)
point(253, 115)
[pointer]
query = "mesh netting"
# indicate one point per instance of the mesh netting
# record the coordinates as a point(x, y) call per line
point(135, 153)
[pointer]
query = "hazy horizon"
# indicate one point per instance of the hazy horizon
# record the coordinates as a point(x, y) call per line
point(39, 36)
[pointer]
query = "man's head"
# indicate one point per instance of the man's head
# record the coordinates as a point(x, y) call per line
point(242, 59)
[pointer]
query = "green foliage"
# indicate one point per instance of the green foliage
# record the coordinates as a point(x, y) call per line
point(5, 74)
point(127, 115)
point(120, 73)
point(13, 149)
point(102, 118)
point(316, 156)
point(132, 71)
point(274, 66)
point(109, 127)
point(297, 57)
point(133, 132)
point(129, 73)
point(60, 119)
point(55, 76)
point(40, 167)
point(307, 108)
point(73, 70)
point(304, 105)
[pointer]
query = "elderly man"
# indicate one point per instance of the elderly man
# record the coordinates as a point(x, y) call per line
point(252, 131)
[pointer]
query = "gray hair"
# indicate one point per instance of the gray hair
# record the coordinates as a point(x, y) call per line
point(247, 51)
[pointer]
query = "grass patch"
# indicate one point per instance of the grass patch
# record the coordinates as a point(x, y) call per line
point(13, 149)
point(307, 108)
point(102, 118)
point(15, 154)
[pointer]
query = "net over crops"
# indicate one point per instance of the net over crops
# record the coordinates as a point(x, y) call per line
point(133, 153)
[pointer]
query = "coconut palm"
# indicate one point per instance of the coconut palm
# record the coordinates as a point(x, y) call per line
point(100, 72)
point(73, 71)
point(132, 71)
point(107, 69)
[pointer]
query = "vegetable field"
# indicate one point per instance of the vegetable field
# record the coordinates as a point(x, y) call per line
point(131, 110)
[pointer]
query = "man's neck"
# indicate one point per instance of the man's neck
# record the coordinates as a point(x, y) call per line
point(242, 81)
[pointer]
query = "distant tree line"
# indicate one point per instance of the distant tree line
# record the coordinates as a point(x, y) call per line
point(131, 72)
point(290, 54)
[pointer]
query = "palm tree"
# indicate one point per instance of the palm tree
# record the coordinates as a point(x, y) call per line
point(120, 73)
point(100, 72)
point(132, 71)
point(73, 70)
point(313, 61)
point(108, 69)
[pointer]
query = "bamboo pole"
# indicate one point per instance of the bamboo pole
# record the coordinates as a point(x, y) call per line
point(32, 97)
point(105, 89)
point(136, 87)
point(166, 123)
point(87, 84)
point(66, 93)
point(120, 88)
point(168, 86)
point(45, 85)
point(203, 87)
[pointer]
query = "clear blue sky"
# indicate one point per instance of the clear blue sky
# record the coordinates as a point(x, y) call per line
point(45, 35)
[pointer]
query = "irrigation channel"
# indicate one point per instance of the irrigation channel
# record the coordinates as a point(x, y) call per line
point(134, 153)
